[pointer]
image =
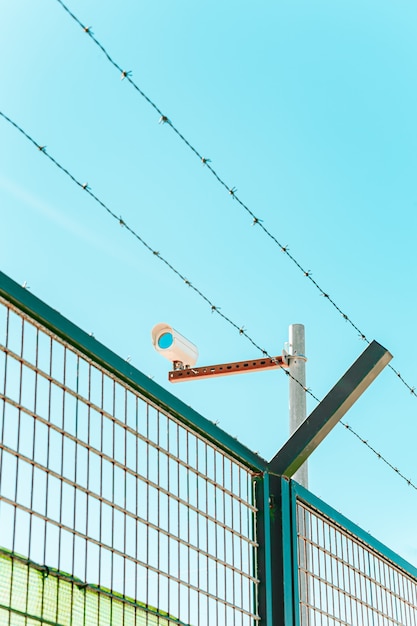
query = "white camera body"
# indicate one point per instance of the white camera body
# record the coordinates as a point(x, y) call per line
point(173, 346)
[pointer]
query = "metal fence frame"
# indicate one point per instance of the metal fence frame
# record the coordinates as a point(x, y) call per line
point(276, 567)
point(351, 563)
point(35, 310)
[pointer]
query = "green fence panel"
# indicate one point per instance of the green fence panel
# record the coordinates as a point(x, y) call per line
point(107, 476)
point(345, 576)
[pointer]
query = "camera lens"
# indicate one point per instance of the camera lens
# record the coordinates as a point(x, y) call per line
point(165, 341)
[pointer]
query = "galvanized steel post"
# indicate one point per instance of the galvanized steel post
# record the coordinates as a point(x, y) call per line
point(297, 385)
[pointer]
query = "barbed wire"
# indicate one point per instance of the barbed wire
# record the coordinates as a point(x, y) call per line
point(379, 455)
point(214, 309)
point(164, 119)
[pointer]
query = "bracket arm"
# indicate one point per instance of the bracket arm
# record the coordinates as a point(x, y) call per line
point(330, 410)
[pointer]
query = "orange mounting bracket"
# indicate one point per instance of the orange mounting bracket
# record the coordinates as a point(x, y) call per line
point(226, 369)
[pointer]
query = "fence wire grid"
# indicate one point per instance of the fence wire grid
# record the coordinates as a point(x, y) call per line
point(112, 511)
point(120, 506)
point(343, 581)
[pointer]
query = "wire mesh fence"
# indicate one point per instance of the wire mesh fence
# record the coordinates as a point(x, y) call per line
point(119, 505)
point(112, 511)
point(343, 581)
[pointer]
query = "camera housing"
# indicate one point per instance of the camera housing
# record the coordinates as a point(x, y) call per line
point(174, 346)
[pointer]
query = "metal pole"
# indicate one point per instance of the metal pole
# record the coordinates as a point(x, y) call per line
point(297, 378)
point(298, 413)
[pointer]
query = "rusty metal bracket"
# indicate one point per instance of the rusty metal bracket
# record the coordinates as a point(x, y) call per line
point(226, 369)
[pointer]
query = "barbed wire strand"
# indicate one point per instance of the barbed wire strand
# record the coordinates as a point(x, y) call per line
point(372, 449)
point(214, 309)
point(164, 119)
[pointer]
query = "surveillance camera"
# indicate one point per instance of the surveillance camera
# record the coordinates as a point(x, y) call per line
point(173, 346)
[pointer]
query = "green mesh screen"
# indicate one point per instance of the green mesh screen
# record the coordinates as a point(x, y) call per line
point(31, 594)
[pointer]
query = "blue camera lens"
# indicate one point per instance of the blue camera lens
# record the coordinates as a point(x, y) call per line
point(165, 341)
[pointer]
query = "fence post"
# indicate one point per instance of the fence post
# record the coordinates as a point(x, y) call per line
point(264, 554)
point(282, 575)
point(275, 557)
point(297, 385)
point(298, 413)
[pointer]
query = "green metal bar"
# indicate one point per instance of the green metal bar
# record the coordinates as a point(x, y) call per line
point(294, 547)
point(34, 308)
point(330, 410)
point(263, 560)
point(287, 536)
point(321, 507)
point(282, 571)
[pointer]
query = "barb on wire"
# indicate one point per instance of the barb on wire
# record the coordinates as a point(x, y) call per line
point(231, 190)
point(215, 309)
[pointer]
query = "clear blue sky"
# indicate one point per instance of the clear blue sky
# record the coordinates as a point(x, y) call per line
point(309, 110)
